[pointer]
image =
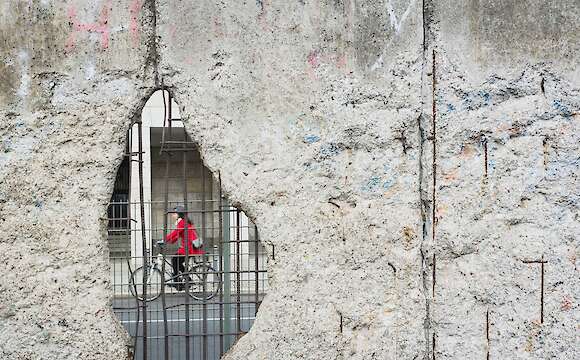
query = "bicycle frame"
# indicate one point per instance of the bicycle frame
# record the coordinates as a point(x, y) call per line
point(197, 274)
point(169, 275)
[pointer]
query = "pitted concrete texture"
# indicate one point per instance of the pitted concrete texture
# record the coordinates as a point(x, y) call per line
point(410, 165)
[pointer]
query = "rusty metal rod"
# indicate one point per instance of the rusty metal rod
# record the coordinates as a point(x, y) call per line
point(542, 293)
point(487, 334)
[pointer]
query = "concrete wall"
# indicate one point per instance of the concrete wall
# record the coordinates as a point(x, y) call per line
point(404, 159)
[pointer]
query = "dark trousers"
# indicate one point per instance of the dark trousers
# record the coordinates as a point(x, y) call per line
point(178, 263)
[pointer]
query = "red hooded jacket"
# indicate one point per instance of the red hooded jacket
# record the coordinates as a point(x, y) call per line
point(179, 233)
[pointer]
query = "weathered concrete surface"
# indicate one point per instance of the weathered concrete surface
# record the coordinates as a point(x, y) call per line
point(67, 96)
point(507, 163)
point(319, 116)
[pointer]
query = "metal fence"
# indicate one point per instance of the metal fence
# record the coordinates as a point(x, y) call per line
point(199, 312)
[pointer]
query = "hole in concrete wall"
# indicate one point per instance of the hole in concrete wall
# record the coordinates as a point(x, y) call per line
point(167, 286)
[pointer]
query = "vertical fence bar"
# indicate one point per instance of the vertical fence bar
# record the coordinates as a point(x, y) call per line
point(186, 246)
point(221, 262)
point(129, 155)
point(238, 274)
point(227, 283)
point(165, 214)
point(204, 276)
point(143, 235)
point(256, 273)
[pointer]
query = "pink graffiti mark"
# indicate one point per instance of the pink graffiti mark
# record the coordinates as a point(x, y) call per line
point(101, 27)
point(263, 15)
point(172, 31)
point(218, 27)
point(313, 59)
point(134, 10)
point(341, 61)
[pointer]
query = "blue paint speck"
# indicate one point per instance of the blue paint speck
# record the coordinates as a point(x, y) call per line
point(387, 184)
point(310, 139)
point(450, 108)
point(467, 101)
point(486, 97)
point(562, 108)
point(372, 184)
point(311, 166)
point(328, 150)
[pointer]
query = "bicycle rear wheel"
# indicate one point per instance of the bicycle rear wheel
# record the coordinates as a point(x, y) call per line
point(152, 284)
point(204, 274)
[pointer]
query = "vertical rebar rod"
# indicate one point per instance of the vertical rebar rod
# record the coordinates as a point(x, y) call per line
point(238, 270)
point(221, 261)
point(485, 160)
point(434, 170)
point(542, 292)
point(487, 348)
point(143, 235)
point(165, 214)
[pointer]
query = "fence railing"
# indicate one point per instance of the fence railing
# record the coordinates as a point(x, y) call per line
point(222, 290)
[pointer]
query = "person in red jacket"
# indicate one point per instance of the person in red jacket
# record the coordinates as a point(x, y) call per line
point(181, 219)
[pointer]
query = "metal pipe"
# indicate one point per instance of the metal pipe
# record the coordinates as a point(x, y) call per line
point(143, 236)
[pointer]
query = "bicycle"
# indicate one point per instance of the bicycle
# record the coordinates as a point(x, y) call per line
point(199, 273)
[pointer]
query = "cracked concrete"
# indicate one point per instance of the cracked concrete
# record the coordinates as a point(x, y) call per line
point(406, 160)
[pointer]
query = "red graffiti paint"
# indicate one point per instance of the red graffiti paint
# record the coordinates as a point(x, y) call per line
point(101, 26)
point(134, 10)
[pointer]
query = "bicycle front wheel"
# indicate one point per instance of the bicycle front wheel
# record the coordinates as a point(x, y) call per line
point(148, 290)
point(205, 283)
